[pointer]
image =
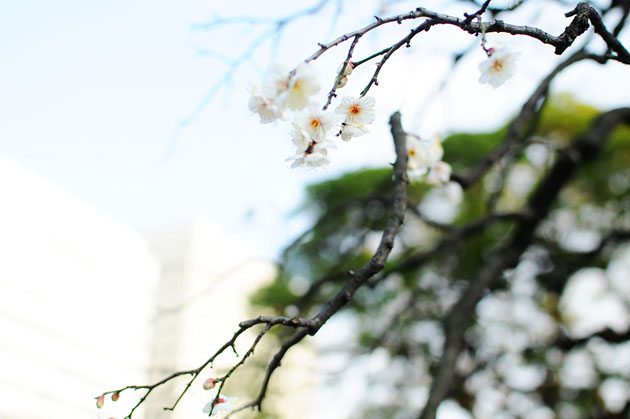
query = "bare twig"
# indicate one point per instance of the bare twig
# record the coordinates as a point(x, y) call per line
point(583, 14)
point(307, 326)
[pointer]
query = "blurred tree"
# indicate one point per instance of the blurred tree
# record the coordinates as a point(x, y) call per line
point(521, 347)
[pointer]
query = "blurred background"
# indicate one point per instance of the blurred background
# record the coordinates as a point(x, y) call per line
point(142, 204)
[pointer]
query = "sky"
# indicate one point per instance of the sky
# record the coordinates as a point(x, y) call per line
point(112, 101)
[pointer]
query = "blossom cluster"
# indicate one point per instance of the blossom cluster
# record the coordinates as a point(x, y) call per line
point(287, 95)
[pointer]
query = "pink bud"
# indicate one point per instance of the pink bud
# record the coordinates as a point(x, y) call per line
point(209, 383)
point(100, 401)
point(115, 396)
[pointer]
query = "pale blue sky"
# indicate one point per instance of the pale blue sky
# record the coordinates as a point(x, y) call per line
point(92, 92)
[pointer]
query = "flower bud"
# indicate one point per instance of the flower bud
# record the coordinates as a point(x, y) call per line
point(115, 396)
point(342, 82)
point(209, 383)
point(348, 70)
point(100, 401)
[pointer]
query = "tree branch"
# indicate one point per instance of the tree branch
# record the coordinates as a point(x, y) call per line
point(583, 150)
point(306, 326)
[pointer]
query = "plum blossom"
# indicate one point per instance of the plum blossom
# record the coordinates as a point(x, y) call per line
point(315, 156)
point(283, 89)
point(349, 131)
point(265, 107)
point(221, 407)
point(277, 80)
point(316, 122)
point(358, 113)
point(300, 87)
point(499, 67)
point(309, 153)
point(439, 174)
point(423, 154)
point(425, 158)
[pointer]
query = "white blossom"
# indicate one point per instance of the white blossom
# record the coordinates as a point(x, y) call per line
point(277, 81)
point(301, 139)
point(358, 111)
point(439, 173)
point(301, 86)
point(316, 122)
point(263, 105)
point(424, 161)
point(423, 154)
point(498, 67)
point(223, 406)
point(349, 131)
point(315, 155)
point(265, 108)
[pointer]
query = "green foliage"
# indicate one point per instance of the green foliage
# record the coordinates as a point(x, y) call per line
point(565, 119)
point(463, 151)
point(331, 193)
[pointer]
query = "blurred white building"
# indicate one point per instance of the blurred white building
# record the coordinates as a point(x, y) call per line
point(87, 306)
point(76, 292)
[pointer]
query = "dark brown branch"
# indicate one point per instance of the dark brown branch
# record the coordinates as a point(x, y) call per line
point(273, 365)
point(377, 262)
point(227, 375)
point(454, 236)
point(358, 278)
point(478, 13)
point(425, 26)
point(583, 14)
point(600, 29)
point(308, 326)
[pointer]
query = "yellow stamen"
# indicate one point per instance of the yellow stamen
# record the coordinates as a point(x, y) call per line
point(497, 65)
